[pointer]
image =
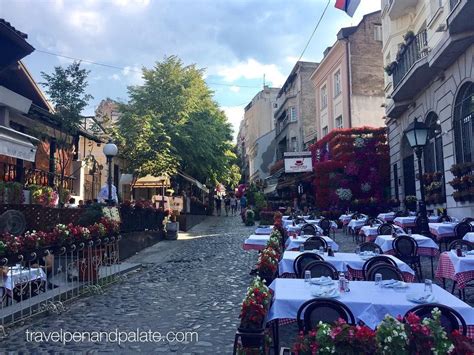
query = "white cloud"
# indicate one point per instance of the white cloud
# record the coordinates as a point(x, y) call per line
point(252, 69)
point(90, 22)
point(234, 115)
point(124, 3)
point(133, 75)
point(114, 77)
point(234, 89)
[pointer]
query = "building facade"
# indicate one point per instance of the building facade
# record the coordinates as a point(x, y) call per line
point(349, 81)
point(428, 49)
point(295, 110)
point(255, 131)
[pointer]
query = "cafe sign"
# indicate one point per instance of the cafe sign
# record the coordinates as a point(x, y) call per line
point(298, 164)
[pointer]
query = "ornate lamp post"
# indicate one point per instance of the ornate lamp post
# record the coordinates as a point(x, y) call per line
point(110, 150)
point(417, 134)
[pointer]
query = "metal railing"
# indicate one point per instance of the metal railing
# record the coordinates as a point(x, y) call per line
point(42, 280)
point(27, 176)
point(452, 4)
point(413, 52)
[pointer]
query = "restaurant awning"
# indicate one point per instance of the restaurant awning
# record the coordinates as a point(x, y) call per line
point(150, 181)
point(17, 145)
point(194, 181)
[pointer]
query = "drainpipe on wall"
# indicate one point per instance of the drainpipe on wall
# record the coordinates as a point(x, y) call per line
point(349, 81)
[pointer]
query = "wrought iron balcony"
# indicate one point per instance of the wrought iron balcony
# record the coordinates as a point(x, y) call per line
point(452, 4)
point(413, 52)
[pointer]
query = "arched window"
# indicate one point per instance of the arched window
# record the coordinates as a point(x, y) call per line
point(463, 123)
point(433, 151)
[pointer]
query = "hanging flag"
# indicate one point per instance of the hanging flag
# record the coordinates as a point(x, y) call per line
point(349, 6)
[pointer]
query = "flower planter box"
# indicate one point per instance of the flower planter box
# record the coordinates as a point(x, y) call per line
point(250, 337)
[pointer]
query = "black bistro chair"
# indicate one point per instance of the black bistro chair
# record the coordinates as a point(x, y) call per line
point(309, 229)
point(381, 259)
point(315, 242)
point(406, 249)
point(321, 268)
point(370, 246)
point(323, 310)
point(461, 229)
point(302, 260)
point(385, 229)
point(325, 224)
point(444, 218)
point(388, 272)
point(468, 219)
point(450, 318)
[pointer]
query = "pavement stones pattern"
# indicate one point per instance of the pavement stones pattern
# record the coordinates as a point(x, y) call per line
point(194, 284)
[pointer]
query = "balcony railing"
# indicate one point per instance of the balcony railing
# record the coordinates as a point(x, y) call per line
point(26, 176)
point(413, 52)
point(452, 4)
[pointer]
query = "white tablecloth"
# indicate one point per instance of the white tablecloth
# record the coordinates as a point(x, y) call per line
point(256, 240)
point(356, 223)
point(442, 230)
point(340, 261)
point(19, 276)
point(369, 231)
point(385, 242)
point(386, 217)
point(409, 222)
point(469, 237)
point(461, 264)
point(263, 230)
point(368, 302)
point(294, 243)
point(345, 218)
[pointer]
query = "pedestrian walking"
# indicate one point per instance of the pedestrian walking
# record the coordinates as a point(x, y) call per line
point(233, 204)
point(227, 205)
point(243, 203)
point(218, 206)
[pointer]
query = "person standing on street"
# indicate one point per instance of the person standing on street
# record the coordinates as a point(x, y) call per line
point(218, 206)
point(233, 204)
point(227, 205)
point(243, 203)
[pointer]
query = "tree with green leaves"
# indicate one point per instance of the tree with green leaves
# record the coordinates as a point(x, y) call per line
point(66, 88)
point(171, 123)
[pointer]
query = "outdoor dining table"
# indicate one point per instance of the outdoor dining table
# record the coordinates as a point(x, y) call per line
point(469, 237)
point(443, 229)
point(426, 246)
point(371, 232)
point(345, 218)
point(349, 263)
point(458, 269)
point(294, 243)
point(356, 223)
point(409, 222)
point(386, 217)
point(256, 242)
point(315, 222)
point(18, 275)
point(264, 230)
point(367, 301)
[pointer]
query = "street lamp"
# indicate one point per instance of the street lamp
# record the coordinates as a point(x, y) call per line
point(417, 134)
point(110, 150)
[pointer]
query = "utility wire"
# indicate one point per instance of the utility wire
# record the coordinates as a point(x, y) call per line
point(314, 31)
point(131, 68)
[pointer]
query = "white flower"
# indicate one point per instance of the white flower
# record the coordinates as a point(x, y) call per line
point(389, 339)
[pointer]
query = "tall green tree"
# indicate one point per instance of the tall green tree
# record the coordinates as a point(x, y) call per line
point(172, 122)
point(66, 88)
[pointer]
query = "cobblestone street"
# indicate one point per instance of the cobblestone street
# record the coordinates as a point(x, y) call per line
point(194, 284)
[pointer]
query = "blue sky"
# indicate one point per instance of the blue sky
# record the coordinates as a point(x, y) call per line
point(236, 41)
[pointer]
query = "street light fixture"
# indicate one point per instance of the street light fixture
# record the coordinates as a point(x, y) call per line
point(110, 151)
point(417, 134)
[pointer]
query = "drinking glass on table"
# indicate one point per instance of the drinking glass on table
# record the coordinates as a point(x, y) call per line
point(428, 286)
point(307, 276)
point(377, 251)
point(464, 250)
point(378, 279)
point(409, 231)
point(357, 250)
point(321, 250)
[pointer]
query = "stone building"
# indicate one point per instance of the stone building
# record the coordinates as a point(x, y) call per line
point(256, 133)
point(295, 110)
point(349, 82)
point(428, 50)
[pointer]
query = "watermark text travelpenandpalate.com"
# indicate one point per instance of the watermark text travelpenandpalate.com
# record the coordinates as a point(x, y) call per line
point(114, 336)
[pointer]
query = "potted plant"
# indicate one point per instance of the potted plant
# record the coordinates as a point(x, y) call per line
point(249, 217)
point(172, 227)
point(409, 37)
point(410, 202)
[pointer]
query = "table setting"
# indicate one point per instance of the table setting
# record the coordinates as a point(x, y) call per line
point(349, 263)
point(426, 246)
point(290, 294)
point(19, 275)
point(456, 268)
point(409, 221)
point(295, 242)
point(386, 217)
point(256, 242)
point(263, 230)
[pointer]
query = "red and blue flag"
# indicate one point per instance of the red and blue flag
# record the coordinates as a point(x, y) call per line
point(349, 6)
